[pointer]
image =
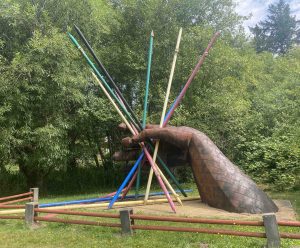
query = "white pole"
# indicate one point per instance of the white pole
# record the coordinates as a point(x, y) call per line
point(96, 205)
point(159, 176)
point(163, 115)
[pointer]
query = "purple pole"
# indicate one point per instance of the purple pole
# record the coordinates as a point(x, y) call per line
point(192, 76)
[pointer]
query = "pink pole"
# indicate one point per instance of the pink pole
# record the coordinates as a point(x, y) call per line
point(131, 182)
point(192, 76)
point(160, 181)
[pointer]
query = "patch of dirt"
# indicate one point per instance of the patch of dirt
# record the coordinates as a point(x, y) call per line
point(196, 208)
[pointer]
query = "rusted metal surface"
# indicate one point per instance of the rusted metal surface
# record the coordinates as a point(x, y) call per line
point(104, 215)
point(11, 206)
point(15, 196)
point(220, 183)
point(78, 222)
point(11, 217)
point(164, 228)
point(211, 221)
point(197, 220)
point(18, 200)
point(290, 235)
point(289, 223)
point(200, 230)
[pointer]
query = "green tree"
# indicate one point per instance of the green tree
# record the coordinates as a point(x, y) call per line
point(52, 116)
point(278, 32)
point(129, 41)
point(271, 151)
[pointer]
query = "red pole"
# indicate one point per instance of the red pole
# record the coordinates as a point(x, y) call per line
point(132, 181)
point(290, 235)
point(192, 76)
point(11, 206)
point(11, 217)
point(18, 200)
point(129, 185)
point(289, 223)
point(78, 222)
point(15, 196)
point(197, 220)
point(200, 230)
point(56, 211)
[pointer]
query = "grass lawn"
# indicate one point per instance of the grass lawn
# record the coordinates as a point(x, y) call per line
point(14, 234)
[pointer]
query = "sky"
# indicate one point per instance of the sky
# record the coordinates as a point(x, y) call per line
point(258, 9)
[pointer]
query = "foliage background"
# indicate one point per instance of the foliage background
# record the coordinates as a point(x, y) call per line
point(57, 131)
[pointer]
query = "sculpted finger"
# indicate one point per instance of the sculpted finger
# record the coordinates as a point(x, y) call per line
point(127, 142)
point(151, 126)
point(125, 156)
point(154, 126)
point(169, 134)
point(155, 133)
point(122, 126)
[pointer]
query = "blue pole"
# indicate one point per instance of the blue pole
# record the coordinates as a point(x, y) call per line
point(93, 200)
point(133, 170)
point(55, 204)
point(150, 52)
point(112, 94)
point(130, 174)
point(169, 111)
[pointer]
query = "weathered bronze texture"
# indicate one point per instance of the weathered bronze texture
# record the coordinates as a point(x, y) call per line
point(220, 183)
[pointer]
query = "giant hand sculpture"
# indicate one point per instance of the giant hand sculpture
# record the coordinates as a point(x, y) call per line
point(220, 183)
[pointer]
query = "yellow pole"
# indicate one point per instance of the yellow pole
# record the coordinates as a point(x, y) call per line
point(134, 133)
point(163, 115)
point(97, 205)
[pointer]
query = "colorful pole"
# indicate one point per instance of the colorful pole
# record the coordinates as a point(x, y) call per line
point(113, 84)
point(164, 112)
point(148, 80)
point(101, 77)
point(153, 165)
point(162, 175)
point(150, 52)
point(106, 86)
point(192, 76)
point(125, 191)
point(126, 105)
point(196, 69)
point(99, 199)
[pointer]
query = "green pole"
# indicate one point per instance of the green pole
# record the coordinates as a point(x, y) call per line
point(120, 104)
point(170, 174)
point(150, 52)
point(100, 77)
point(148, 80)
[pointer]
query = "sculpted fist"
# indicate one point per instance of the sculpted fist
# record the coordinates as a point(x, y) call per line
point(172, 154)
point(220, 183)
